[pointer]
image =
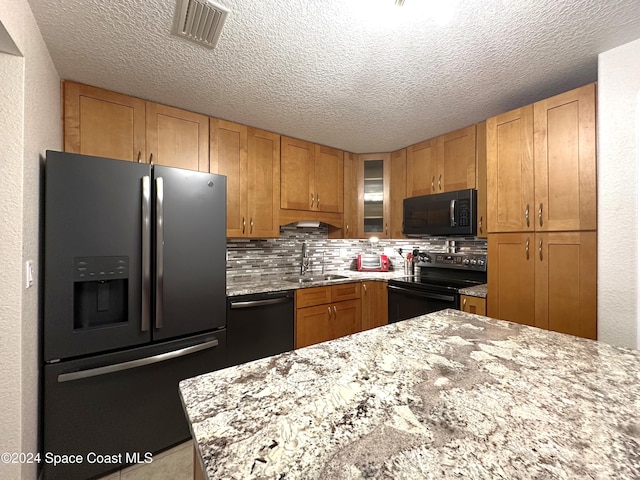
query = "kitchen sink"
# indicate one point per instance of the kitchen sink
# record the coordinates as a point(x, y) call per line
point(333, 277)
point(321, 278)
point(301, 279)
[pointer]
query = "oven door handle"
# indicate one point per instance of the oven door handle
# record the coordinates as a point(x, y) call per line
point(419, 293)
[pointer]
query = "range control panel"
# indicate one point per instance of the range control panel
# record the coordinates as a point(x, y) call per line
point(462, 261)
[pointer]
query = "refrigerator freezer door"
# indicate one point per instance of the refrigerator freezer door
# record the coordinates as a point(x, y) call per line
point(122, 404)
point(190, 288)
point(93, 262)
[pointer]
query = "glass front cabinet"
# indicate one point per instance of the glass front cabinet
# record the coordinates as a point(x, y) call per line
point(374, 207)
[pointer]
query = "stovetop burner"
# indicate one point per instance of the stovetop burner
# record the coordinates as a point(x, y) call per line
point(446, 272)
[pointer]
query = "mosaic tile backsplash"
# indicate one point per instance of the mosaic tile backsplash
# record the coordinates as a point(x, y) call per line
point(281, 256)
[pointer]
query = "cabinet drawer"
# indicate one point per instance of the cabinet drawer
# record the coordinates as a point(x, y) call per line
point(307, 297)
point(345, 291)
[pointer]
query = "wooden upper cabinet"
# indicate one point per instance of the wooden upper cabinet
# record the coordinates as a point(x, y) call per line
point(296, 174)
point(481, 178)
point(177, 138)
point(263, 179)
point(442, 164)
point(103, 123)
point(511, 277)
point(565, 286)
point(510, 200)
point(311, 177)
point(457, 159)
point(350, 218)
point(397, 191)
point(108, 124)
point(228, 156)
point(565, 161)
point(541, 165)
point(328, 182)
point(250, 159)
point(423, 170)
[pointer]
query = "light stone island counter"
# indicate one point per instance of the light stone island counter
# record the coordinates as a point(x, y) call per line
point(444, 395)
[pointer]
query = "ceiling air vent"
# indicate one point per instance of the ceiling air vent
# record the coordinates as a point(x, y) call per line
point(200, 21)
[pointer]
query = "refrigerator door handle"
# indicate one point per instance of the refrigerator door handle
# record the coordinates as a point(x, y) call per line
point(146, 253)
point(118, 367)
point(159, 251)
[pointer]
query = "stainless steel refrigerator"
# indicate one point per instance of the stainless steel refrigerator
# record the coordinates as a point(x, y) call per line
point(134, 301)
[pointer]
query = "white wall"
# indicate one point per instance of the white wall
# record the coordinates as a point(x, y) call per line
point(30, 122)
point(11, 102)
point(618, 173)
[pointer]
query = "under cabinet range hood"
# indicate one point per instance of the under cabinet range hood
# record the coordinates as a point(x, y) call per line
point(443, 214)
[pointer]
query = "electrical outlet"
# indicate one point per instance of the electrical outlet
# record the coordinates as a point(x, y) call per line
point(28, 271)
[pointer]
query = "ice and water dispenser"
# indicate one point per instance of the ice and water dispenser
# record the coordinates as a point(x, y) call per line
point(100, 291)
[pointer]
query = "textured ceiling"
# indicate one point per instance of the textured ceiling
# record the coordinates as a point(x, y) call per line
point(360, 75)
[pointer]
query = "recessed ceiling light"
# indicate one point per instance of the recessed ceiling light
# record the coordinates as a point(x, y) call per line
point(399, 3)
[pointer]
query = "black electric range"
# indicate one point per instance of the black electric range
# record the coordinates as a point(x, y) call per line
point(436, 285)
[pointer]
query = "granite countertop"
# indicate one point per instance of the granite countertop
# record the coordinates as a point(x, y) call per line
point(275, 283)
point(444, 395)
point(479, 291)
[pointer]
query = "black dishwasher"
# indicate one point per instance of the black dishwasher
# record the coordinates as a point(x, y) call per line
point(259, 325)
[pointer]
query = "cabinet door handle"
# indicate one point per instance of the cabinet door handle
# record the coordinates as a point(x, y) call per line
point(433, 181)
point(526, 214)
point(526, 248)
point(540, 214)
point(347, 229)
point(244, 224)
point(335, 311)
point(329, 310)
point(364, 287)
point(139, 155)
point(480, 224)
point(251, 225)
point(386, 229)
point(151, 159)
point(318, 200)
point(312, 199)
point(540, 249)
point(464, 304)
point(440, 182)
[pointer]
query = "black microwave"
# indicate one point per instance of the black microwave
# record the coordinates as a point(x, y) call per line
point(442, 214)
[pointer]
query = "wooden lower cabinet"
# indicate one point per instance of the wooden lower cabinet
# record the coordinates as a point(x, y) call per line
point(565, 289)
point(473, 305)
point(547, 280)
point(511, 275)
point(373, 297)
point(326, 322)
point(326, 313)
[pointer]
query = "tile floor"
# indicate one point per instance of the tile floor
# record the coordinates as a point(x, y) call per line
point(173, 464)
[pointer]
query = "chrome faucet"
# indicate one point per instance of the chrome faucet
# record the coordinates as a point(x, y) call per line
point(304, 260)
